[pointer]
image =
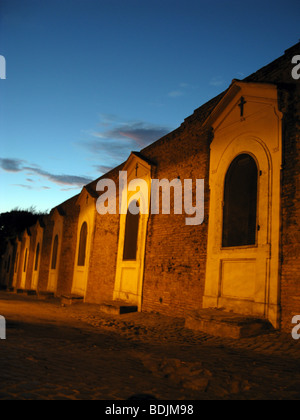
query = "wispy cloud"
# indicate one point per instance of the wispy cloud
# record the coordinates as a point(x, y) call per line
point(117, 138)
point(139, 133)
point(59, 179)
point(17, 165)
point(69, 189)
point(181, 90)
point(30, 187)
point(11, 165)
point(103, 169)
point(24, 186)
point(217, 81)
point(175, 93)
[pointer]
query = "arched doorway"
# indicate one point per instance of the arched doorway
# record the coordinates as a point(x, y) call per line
point(35, 274)
point(131, 232)
point(24, 271)
point(135, 200)
point(80, 277)
point(238, 271)
point(129, 276)
point(54, 265)
point(56, 247)
point(82, 245)
point(240, 203)
point(25, 260)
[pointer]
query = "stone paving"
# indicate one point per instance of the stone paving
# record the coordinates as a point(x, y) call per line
point(77, 353)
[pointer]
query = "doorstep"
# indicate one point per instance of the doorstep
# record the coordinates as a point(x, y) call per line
point(220, 323)
point(117, 308)
point(71, 299)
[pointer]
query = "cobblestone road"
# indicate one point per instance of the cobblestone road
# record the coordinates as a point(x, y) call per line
point(75, 353)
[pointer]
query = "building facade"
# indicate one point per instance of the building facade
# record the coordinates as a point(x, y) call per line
point(243, 257)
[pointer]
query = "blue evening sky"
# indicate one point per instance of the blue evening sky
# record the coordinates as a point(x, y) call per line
point(87, 81)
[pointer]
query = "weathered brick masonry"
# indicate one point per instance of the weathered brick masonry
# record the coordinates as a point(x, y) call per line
point(175, 254)
point(102, 268)
point(279, 72)
point(68, 248)
point(45, 255)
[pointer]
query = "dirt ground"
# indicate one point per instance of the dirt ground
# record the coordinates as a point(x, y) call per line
point(77, 353)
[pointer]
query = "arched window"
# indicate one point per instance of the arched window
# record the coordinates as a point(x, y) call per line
point(82, 245)
point(54, 253)
point(240, 203)
point(131, 232)
point(37, 256)
point(25, 261)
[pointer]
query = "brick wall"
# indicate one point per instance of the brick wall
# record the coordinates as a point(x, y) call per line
point(279, 72)
point(175, 258)
point(290, 254)
point(102, 270)
point(31, 257)
point(21, 262)
point(68, 247)
point(45, 254)
point(175, 261)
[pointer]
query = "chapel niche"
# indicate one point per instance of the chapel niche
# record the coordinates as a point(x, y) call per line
point(240, 203)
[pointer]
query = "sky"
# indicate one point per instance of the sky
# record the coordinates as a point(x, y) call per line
point(89, 81)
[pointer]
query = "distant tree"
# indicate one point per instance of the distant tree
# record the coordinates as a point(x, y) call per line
point(15, 222)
